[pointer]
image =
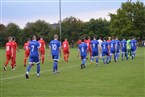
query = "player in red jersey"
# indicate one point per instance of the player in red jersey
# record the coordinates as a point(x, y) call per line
point(42, 49)
point(79, 42)
point(88, 41)
point(65, 47)
point(9, 54)
point(27, 51)
point(15, 48)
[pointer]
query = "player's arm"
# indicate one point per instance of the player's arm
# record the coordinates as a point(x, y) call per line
point(78, 53)
point(49, 53)
point(17, 48)
point(60, 50)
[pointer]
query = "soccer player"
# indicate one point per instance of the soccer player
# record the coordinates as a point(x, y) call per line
point(117, 52)
point(112, 49)
point(94, 48)
point(128, 47)
point(55, 51)
point(100, 49)
point(9, 54)
point(65, 47)
point(82, 52)
point(27, 51)
point(34, 58)
point(15, 48)
point(124, 49)
point(105, 50)
point(88, 41)
point(133, 47)
point(109, 40)
point(42, 49)
point(79, 42)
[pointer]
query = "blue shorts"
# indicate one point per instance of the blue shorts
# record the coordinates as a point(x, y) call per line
point(112, 52)
point(94, 53)
point(124, 50)
point(105, 53)
point(34, 59)
point(132, 49)
point(83, 57)
point(55, 57)
point(117, 51)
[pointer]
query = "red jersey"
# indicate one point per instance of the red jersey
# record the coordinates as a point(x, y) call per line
point(42, 44)
point(79, 42)
point(8, 48)
point(65, 45)
point(88, 43)
point(26, 47)
point(14, 47)
point(108, 41)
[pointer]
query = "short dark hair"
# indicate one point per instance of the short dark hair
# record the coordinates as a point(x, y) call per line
point(82, 40)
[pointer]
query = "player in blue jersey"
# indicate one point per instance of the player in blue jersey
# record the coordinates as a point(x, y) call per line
point(133, 47)
point(55, 52)
point(105, 51)
point(34, 56)
point(82, 53)
point(124, 49)
point(112, 49)
point(94, 48)
point(117, 52)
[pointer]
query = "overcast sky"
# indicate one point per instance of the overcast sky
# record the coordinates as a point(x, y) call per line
point(23, 11)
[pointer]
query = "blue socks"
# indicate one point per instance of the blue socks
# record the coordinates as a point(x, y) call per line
point(55, 67)
point(38, 68)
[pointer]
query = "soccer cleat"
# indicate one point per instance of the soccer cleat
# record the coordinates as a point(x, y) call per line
point(24, 65)
point(38, 75)
point(97, 63)
point(13, 68)
point(27, 76)
point(84, 66)
point(81, 66)
point(5, 68)
point(53, 72)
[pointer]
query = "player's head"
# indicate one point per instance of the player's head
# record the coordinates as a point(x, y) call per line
point(9, 38)
point(123, 38)
point(33, 37)
point(100, 38)
point(109, 38)
point(41, 37)
point(65, 39)
point(94, 37)
point(28, 39)
point(113, 37)
point(104, 39)
point(132, 37)
point(82, 39)
point(89, 37)
point(116, 38)
point(55, 36)
point(13, 38)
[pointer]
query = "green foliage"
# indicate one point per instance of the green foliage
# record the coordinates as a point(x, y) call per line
point(129, 20)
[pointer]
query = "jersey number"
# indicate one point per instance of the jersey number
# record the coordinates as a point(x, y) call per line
point(54, 47)
point(32, 48)
point(82, 49)
point(93, 45)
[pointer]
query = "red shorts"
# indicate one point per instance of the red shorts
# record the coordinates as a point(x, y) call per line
point(42, 52)
point(65, 52)
point(26, 55)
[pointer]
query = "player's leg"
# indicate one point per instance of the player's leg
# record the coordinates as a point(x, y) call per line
point(12, 63)
point(8, 57)
point(64, 55)
point(67, 55)
point(123, 55)
point(55, 64)
point(31, 62)
point(83, 62)
point(103, 57)
point(93, 55)
point(43, 54)
point(114, 56)
point(97, 61)
point(25, 59)
point(111, 53)
point(38, 65)
point(90, 53)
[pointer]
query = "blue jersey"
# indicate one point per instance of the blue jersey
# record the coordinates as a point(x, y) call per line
point(117, 44)
point(123, 43)
point(112, 45)
point(54, 46)
point(34, 47)
point(133, 44)
point(104, 46)
point(83, 49)
point(94, 45)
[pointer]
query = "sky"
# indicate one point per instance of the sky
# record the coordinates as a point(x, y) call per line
point(23, 11)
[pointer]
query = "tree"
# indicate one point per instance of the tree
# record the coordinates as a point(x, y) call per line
point(129, 20)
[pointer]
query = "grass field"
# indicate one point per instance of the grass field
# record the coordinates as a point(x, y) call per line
point(121, 79)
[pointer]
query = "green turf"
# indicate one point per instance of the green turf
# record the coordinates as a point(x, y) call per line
point(121, 79)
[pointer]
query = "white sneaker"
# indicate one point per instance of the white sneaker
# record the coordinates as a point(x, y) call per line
point(5, 68)
point(38, 75)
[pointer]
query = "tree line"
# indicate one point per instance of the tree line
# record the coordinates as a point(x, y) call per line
point(128, 21)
